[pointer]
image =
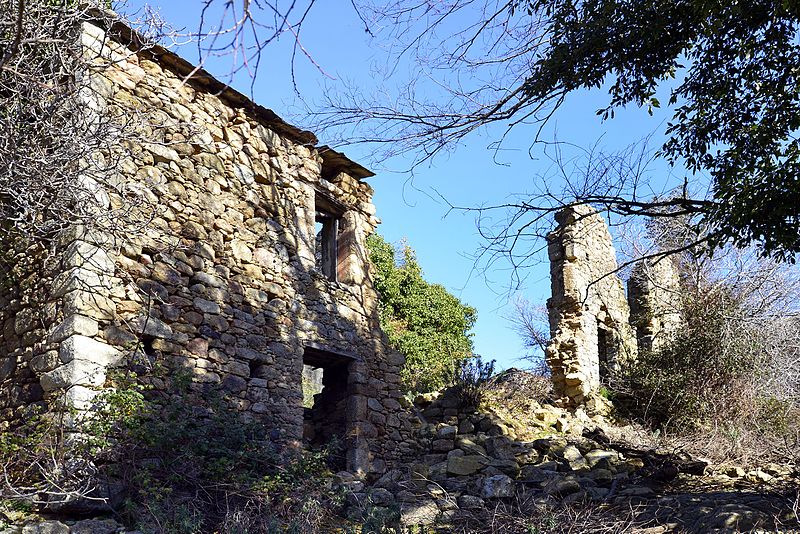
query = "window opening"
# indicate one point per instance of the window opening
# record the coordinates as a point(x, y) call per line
point(327, 223)
point(326, 247)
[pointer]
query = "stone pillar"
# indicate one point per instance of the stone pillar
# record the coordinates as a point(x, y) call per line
point(588, 311)
point(654, 299)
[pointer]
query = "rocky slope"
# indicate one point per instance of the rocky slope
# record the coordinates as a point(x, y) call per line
point(483, 471)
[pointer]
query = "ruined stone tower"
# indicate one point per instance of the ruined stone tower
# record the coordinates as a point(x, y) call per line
point(588, 311)
point(654, 298)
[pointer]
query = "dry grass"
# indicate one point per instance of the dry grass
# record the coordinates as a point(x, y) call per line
point(528, 513)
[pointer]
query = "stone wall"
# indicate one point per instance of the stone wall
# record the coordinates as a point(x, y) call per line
point(655, 301)
point(218, 284)
point(238, 300)
point(588, 310)
point(26, 315)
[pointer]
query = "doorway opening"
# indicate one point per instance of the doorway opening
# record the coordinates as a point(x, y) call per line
point(603, 352)
point(325, 396)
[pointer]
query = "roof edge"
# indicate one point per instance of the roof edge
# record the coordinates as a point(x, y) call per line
point(335, 162)
point(120, 31)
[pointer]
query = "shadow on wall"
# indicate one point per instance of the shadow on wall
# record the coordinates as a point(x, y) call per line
point(178, 373)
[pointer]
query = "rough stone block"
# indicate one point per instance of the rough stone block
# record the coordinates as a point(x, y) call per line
point(151, 326)
point(465, 465)
point(206, 306)
point(45, 362)
point(46, 527)
point(88, 349)
point(74, 324)
point(74, 373)
point(81, 397)
point(91, 304)
point(88, 256)
point(7, 367)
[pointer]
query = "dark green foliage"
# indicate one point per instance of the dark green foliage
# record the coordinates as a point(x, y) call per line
point(737, 97)
point(423, 321)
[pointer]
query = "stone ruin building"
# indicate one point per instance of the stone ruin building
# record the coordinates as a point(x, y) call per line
point(252, 272)
point(654, 298)
point(594, 326)
point(252, 268)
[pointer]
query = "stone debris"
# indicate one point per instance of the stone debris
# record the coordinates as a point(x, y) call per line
point(489, 463)
point(85, 526)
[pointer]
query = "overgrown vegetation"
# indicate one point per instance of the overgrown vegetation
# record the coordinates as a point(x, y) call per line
point(187, 466)
point(471, 378)
point(729, 378)
point(426, 323)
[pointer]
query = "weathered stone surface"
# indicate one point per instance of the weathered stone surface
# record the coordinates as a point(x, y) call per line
point(221, 286)
point(88, 256)
point(46, 527)
point(150, 326)
point(447, 432)
point(8, 366)
point(470, 502)
point(594, 457)
point(500, 447)
point(88, 349)
point(76, 372)
point(562, 486)
point(94, 304)
point(419, 513)
point(588, 310)
point(74, 324)
point(497, 486)
point(206, 306)
point(574, 458)
point(469, 446)
point(655, 301)
point(465, 465)
point(95, 526)
point(45, 362)
point(381, 497)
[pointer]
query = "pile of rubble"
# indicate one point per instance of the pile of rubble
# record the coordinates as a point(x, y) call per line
point(470, 460)
point(85, 526)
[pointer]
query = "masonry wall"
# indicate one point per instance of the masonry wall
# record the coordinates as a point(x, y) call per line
point(24, 322)
point(588, 310)
point(225, 285)
point(217, 281)
point(655, 301)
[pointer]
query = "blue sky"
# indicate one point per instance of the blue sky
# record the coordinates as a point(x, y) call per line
point(410, 207)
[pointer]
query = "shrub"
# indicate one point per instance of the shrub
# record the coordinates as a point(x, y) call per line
point(726, 377)
point(471, 378)
point(687, 382)
point(187, 464)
